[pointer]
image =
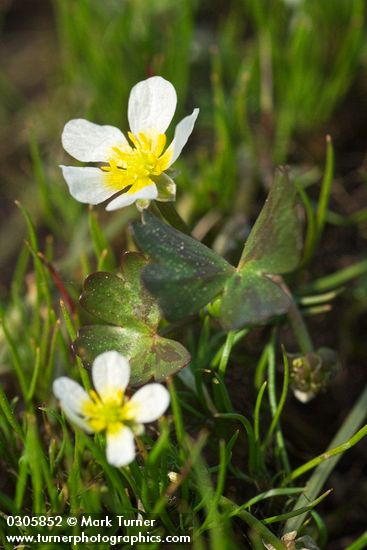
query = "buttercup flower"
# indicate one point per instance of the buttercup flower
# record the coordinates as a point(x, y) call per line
point(107, 409)
point(137, 168)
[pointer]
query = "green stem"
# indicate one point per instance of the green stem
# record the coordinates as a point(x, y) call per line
point(296, 321)
point(226, 352)
point(300, 329)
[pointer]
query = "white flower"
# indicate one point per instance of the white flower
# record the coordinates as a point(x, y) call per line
point(136, 168)
point(108, 409)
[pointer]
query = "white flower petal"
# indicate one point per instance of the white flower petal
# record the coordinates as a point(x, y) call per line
point(148, 192)
point(76, 419)
point(87, 184)
point(182, 133)
point(71, 393)
point(89, 142)
point(152, 104)
point(152, 401)
point(120, 447)
point(110, 371)
point(72, 398)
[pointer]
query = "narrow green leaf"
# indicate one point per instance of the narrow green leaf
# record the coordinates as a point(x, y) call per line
point(359, 544)
point(9, 414)
point(325, 187)
point(314, 485)
point(253, 522)
point(298, 511)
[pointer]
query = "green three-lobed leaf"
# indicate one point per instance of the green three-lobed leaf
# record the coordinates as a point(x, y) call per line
point(272, 248)
point(185, 275)
point(130, 317)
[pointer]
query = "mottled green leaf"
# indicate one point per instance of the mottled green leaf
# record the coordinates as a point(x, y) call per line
point(121, 299)
point(185, 275)
point(275, 243)
point(150, 357)
point(250, 298)
point(130, 315)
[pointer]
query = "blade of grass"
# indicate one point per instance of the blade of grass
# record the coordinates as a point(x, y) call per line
point(33, 451)
point(327, 455)
point(359, 544)
point(280, 406)
point(177, 415)
point(252, 522)
point(311, 230)
point(36, 370)
point(103, 252)
point(41, 180)
point(297, 511)
point(214, 502)
point(72, 333)
point(16, 361)
point(322, 537)
point(257, 416)
point(261, 368)
point(226, 352)
point(275, 409)
point(325, 189)
point(195, 450)
point(324, 469)
point(250, 436)
point(273, 493)
point(9, 414)
point(339, 278)
point(214, 522)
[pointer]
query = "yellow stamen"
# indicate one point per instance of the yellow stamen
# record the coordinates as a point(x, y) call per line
point(109, 411)
point(135, 166)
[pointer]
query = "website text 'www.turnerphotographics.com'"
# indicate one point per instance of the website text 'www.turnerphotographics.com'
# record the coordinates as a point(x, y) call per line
point(88, 529)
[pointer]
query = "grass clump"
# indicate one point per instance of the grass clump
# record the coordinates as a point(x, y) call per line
point(237, 461)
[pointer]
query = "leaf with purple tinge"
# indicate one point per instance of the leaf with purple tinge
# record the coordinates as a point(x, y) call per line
point(253, 295)
point(130, 317)
point(185, 275)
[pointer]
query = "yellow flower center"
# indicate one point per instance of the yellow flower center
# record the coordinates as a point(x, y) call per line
point(135, 166)
point(109, 411)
